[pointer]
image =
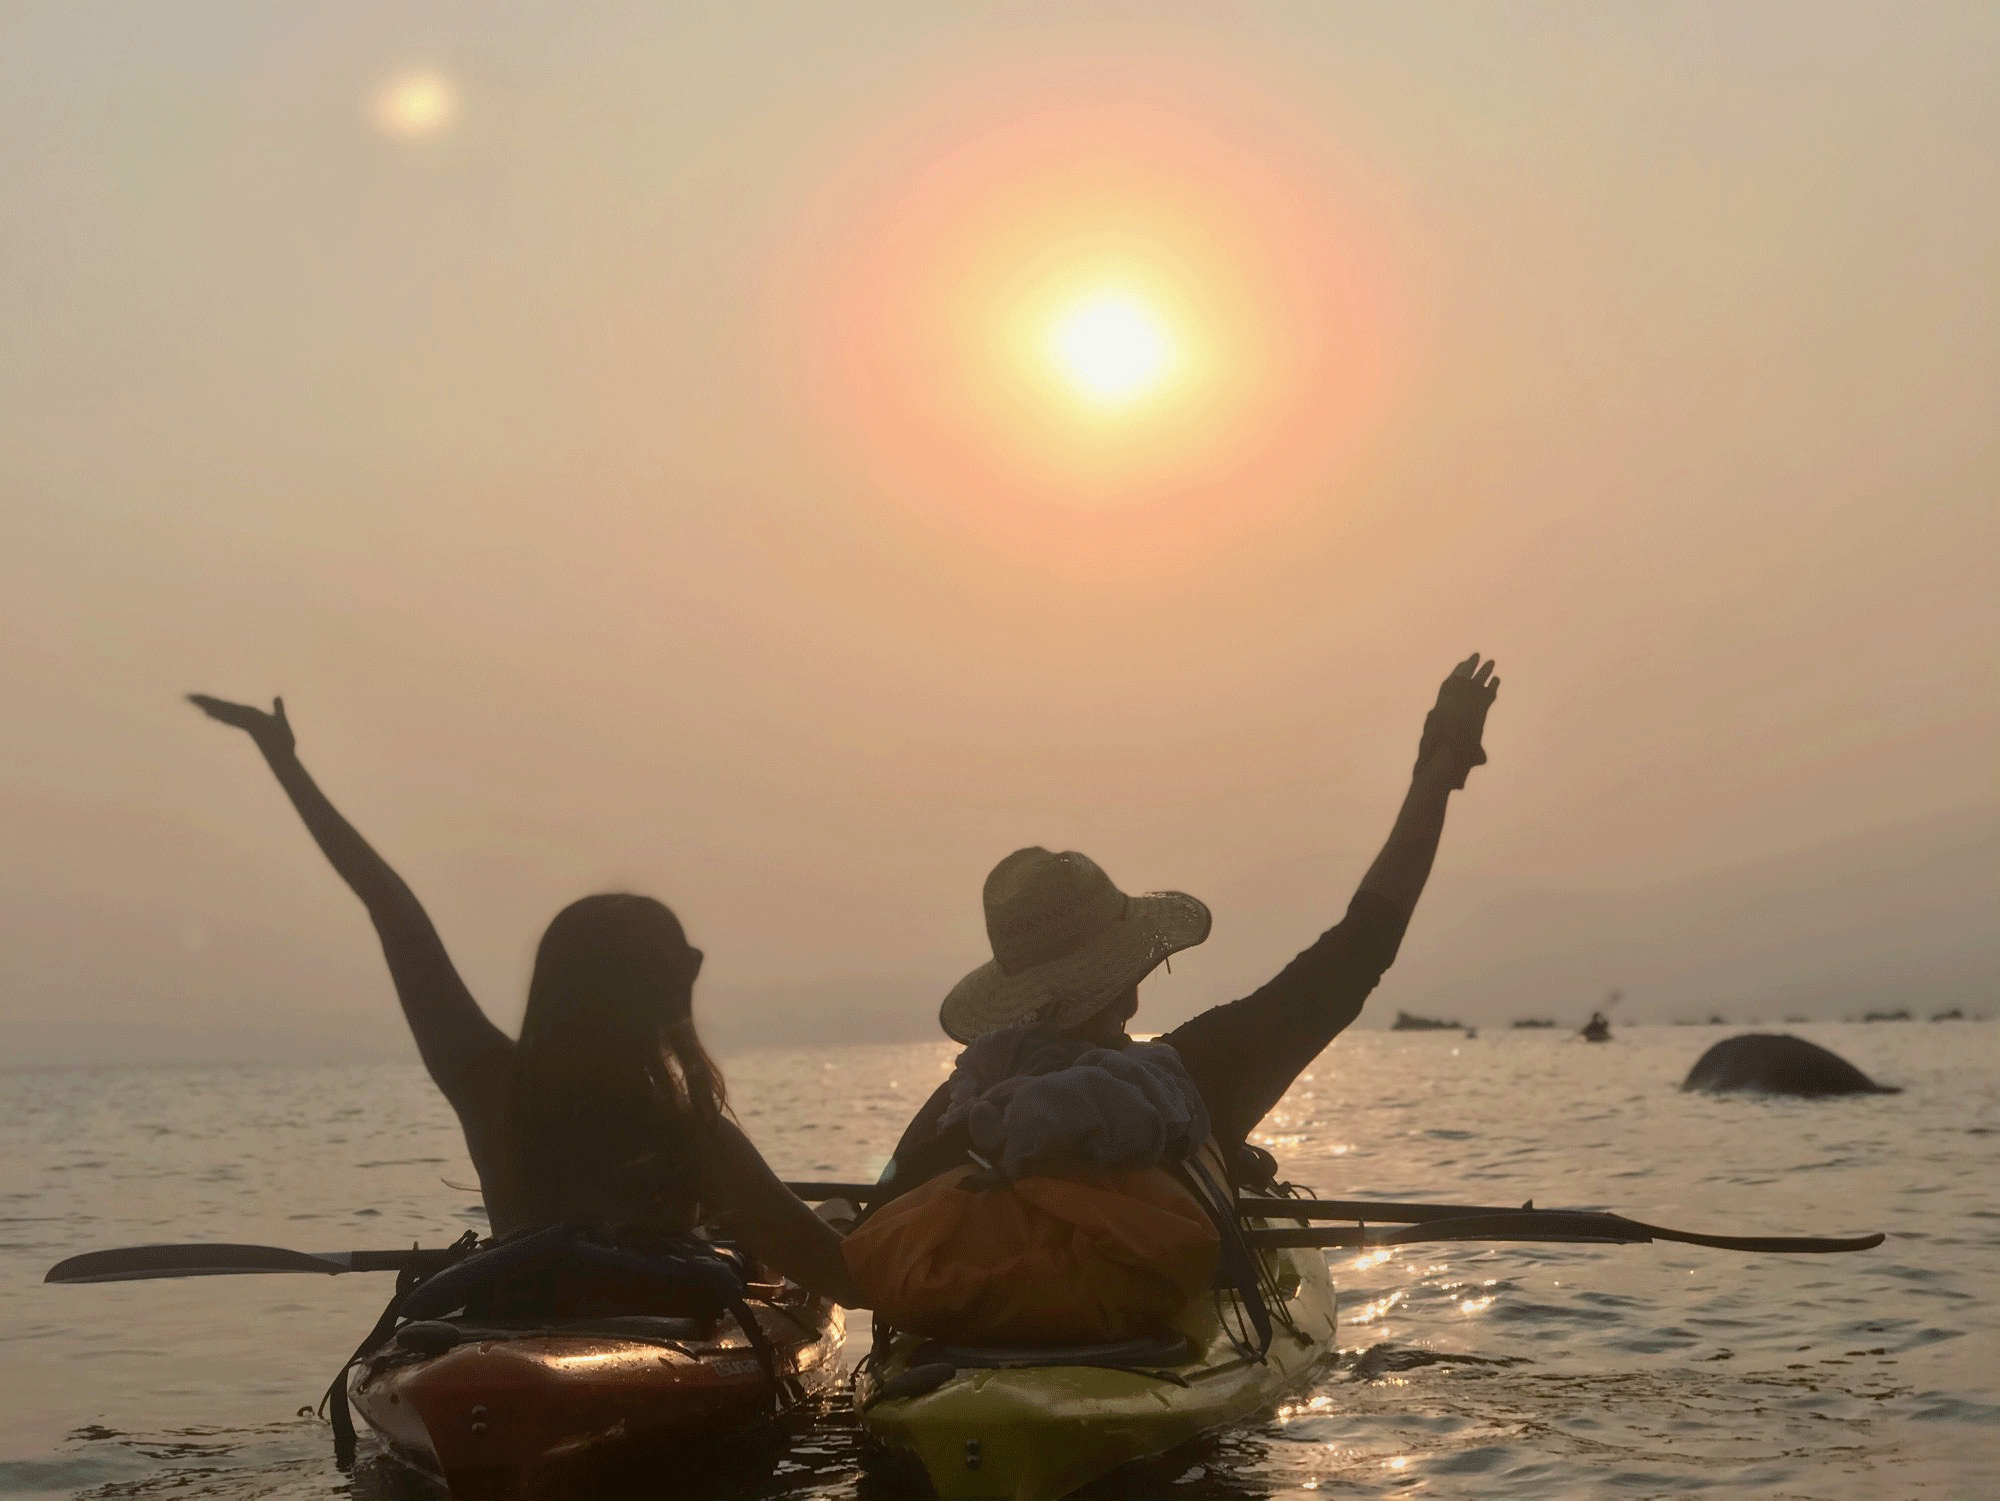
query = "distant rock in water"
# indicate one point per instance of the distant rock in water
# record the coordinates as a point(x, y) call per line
point(1773, 1063)
point(1407, 1023)
point(1597, 1029)
point(1953, 1015)
point(1533, 1024)
point(1900, 1014)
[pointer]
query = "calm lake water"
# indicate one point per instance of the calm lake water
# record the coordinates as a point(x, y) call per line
point(1510, 1371)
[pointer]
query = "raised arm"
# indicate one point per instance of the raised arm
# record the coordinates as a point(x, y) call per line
point(1449, 750)
point(1245, 1055)
point(466, 1054)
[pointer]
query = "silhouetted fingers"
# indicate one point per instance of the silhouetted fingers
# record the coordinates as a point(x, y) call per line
point(236, 716)
point(1465, 668)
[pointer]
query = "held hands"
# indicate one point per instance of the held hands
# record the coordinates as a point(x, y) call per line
point(272, 731)
point(1452, 729)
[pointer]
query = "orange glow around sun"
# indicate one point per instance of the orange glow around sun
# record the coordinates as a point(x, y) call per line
point(1047, 321)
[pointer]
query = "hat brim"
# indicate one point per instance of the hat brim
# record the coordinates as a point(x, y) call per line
point(1065, 991)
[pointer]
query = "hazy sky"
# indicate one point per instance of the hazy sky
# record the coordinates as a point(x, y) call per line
point(619, 460)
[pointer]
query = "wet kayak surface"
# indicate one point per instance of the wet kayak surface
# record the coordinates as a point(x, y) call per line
point(1529, 1370)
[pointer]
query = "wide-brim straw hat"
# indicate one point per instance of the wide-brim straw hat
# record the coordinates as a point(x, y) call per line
point(1066, 943)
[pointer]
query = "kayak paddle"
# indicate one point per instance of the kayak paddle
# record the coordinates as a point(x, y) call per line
point(1445, 1222)
point(1287, 1209)
point(1416, 1222)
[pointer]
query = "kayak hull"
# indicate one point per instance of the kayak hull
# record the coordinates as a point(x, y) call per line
point(502, 1406)
point(1039, 1432)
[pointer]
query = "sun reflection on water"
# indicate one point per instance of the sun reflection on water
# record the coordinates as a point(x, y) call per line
point(1370, 1312)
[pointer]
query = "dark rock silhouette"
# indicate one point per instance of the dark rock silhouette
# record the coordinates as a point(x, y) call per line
point(1774, 1063)
point(1900, 1014)
point(1534, 1024)
point(1597, 1029)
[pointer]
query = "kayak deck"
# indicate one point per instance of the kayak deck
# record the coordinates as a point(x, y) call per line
point(503, 1403)
point(1038, 1432)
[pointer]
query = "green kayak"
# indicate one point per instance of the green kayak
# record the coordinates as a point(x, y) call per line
point(1027, 1425)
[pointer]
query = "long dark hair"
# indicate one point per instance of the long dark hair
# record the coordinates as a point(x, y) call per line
point(613, 1103)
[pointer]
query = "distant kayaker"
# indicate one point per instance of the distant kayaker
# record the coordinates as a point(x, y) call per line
point(607, 1112)
point(1070, 949)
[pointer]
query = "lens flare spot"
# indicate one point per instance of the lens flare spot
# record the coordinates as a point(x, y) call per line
point(1111, 348)
point(415, 104)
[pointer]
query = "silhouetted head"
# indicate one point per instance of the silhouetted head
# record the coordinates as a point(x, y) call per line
point(613, 1102)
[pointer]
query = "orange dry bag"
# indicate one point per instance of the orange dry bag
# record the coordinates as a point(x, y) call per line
point(1093, 1256)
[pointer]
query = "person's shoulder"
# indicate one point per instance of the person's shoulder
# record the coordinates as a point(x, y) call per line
point(733, 1142)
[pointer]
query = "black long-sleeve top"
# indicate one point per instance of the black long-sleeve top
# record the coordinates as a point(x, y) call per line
point(1244, 1055)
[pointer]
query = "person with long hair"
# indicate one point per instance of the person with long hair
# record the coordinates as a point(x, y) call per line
point(608, 1111)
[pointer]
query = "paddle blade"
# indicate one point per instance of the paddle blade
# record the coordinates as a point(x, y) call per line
point(138, 1263)
point(1778, 1244)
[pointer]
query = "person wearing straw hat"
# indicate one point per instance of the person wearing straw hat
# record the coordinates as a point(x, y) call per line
point(1070, 948)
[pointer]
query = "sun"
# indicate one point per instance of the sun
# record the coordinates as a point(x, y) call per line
point(1111, 348)
point(416, 104)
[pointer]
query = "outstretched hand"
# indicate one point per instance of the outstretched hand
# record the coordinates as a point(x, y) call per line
point(272, 731)
point(1452, 730)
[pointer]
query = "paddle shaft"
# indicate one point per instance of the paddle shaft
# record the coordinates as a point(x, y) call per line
point(1288, 1209)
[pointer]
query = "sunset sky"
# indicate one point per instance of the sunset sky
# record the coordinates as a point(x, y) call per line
point(782, 457)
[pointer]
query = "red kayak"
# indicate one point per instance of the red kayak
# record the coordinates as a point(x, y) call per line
point(487, 1408)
